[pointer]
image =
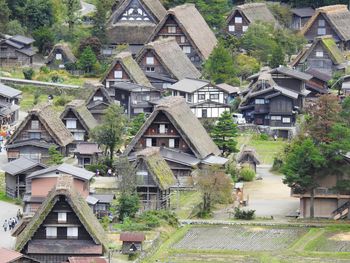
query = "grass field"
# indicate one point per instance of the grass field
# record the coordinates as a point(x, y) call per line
point(183, 202)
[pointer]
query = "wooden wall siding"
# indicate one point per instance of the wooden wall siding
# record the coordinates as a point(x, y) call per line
point(289, 83)
point(100, 94)
point(238, 26)
point(312, 32)
point(71, 115)
point(118, 67)
point(9, 56)
point(24, 134)
point(31, 152)
point(281, 105)
point(158, 67)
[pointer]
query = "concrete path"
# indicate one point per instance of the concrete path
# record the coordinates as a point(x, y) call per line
point(7, 210)
point(86, 8)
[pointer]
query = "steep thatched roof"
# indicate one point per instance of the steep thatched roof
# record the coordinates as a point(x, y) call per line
point(80, 110)
point(64, 187)
point(131, 67)
point(338, 16)
point(157, 167)
point(172, 58)
point(253, 12)
point(104, 92)
point(186, 123)
point(64, 49)
point(248, 153)
point(193, 25)
point(51, 122)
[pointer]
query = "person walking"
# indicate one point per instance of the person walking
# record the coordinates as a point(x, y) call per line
point(5, 225)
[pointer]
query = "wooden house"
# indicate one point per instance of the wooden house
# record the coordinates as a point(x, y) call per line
point(64, 226)
point(153, 179)
point(192, 33)
point(40, 130)
point(124, 69)
point(164, 63)
point(11, 256)
point(100, 203)
point(300, 16)
point(274, 98)
point(39, 183)
point(78, 120)
point(60, 55)
point(16, 173)
point(9, 104)
point(16, 51)
point(248, 157)
point(98, 102)
point(205, 99)
point(135, 98)
point(133, 21)
point(87, 153)
point(242, 16)
point(318, 84)
point(183, 140)
point(331, 20)
point(323, 55)
point(132, 242)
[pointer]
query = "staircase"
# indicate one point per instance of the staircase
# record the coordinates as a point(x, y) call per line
point(341, 212)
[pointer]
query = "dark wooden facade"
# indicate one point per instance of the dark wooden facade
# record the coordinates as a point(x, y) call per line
point(15, 54)
point(79, 133)
point(238, 24)
point(98, 103)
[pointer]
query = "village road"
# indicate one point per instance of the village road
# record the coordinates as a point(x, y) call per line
point(7, 210)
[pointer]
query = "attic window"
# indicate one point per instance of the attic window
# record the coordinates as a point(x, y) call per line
point(35, 125)
point(182, 39)
point(51, 232)
point(244, 28)
point(98, 98)
point(150, 60)
point(321, 22)
point(171, 29)
point(319, 53)
point(321, 31)
point(58, 56)
point(231, 28)
point(149, 69)
point(118, 74)
point(72, 232)
point(238, 20)
point(71, 124)
point(62, 217)
point(186, 49)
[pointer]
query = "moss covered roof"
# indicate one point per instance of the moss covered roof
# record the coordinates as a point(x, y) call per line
point(333, 49)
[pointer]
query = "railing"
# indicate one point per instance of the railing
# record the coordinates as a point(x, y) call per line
point(341, 208)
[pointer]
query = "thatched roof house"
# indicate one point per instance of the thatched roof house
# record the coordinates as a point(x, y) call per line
point(34, 242)
point(133, 21)
point(98, 101)
point(248, 156)
point(60, 55)
point(329, 20)
point(124, 68)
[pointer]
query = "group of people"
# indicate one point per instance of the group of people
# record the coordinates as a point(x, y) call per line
point(12, 222)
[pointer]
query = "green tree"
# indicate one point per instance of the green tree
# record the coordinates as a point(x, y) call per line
point(72, 6)
point(277, 57)
point(87, 60)
point(44, 39)
point(225, 132)
point(302, 168)
point(14, 27)
point(92, 42)
point(128, 205)
point(100, 17)
point(282, 13)
point(126, 172)
point(246, 65)
point(136, 123)
point(38, 13)
point(4, 15)
point(111, 132)
point(55, 157)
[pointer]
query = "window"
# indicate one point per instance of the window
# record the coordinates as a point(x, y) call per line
point(118, 74)
point(62, 217)
point(98, 98)
point(201, 96)
point(171, 143)
point(214, 96)
point(259, 101)
point(319, 54)
point(286, 120)
point(177, 143)
point(321, 31)
point(166, 85)
point(51, 232)
point(61, 66)
point(72, 232)
point(161, 128)
point(276, 118)
point(149, 69)
point(150, 60)
point(186, 49)
point(154, 142)
point(189, 97)
point(171, 29)
point(35, 125)
point(321, 22)
point(244, 28)
point(71, 124)
point(238, 20)
point(148, 142)
point(79, 136)
point(182, 39)
point(35, 135)
point(58, 56)
point(231, 28)
point(204, 113)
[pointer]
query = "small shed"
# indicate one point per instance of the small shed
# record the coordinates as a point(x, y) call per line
point(248, 156)
point(132, 242)
point(87, 153)
point(60, 55)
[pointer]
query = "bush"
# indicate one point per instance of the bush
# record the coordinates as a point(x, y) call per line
point(98, 166)
point(264, 137)
point(156, 218)
point(105, 222)
point(28, 73)
point(61, 100)
point(57, 78)
point(244, 214)
point(36, 96)
point(277, 164)
point(247, 174)
point(45, 69)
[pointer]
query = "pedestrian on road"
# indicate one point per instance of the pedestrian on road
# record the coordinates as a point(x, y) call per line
point(5, 225)
point(10, 223)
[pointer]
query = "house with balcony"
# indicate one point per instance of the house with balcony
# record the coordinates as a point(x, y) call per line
point(9, 104)
point(40, 130)
point(164, 63)
point(205, 99)
point(274, 98)
point(64, 226)
point(98, 102)
point(242, 16)
point(192, 33)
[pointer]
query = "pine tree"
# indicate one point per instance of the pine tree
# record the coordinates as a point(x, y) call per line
point(87, 60)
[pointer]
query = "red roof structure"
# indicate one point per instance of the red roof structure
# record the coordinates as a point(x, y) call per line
point(86, 260)
point(132, 237)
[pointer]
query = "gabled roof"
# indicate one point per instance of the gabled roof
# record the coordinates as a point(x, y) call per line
point(9, 92)
point(104, 93)
point(51, 122)
point(248, 151)
point(318, 74)
point(131, 67)
point(87, 148)
point(20, 165)
point(64, 168)
point(80, 110)
point(303, 12)
point(338, 16)
point(86, 260)
point(228, 88)
point(127, 86)
point(291, 73)
point(157, 167)
point(132, 236)
point(172, 58)
point(193, 24)
point(64, 49)
point(190, 128)
point(254, 12)
point(22, 39)
point(8, 255)
point(66, 188)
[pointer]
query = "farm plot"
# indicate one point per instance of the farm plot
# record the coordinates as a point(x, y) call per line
point(332, 242)
point(240, 238)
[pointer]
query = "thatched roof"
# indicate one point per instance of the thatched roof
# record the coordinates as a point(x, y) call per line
point(64, 49)
point(51, 122)
point(64, 187)
point(172, 58)
point(338, 16)
point(250, 153)
point(104, 92)
point(253, 12)
point(131, 68)
point(157, 167)
point(194, 27)
point(80, 110)
point(186, 123)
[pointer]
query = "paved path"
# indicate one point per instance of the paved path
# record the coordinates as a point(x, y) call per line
point(86, 8)
point(7, 210)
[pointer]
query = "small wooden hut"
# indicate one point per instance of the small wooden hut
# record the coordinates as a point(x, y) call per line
point(248, 156)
